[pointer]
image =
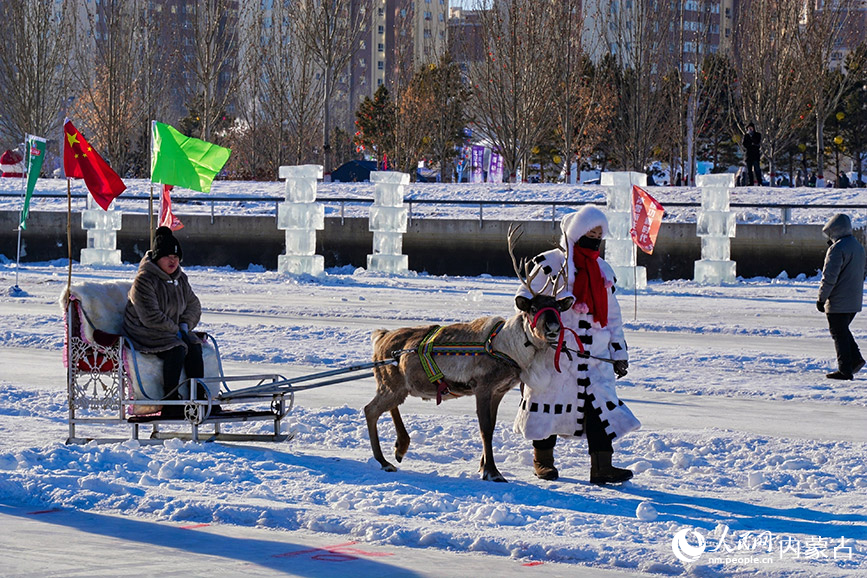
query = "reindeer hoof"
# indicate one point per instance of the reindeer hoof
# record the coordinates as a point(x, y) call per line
point(495, 477)
point(387, 467)
point(398, 457)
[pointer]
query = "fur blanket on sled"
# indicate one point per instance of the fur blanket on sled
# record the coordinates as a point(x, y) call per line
point(101, 306)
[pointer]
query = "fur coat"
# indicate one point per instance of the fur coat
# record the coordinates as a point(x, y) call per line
point(158, 303)
point(555, 403)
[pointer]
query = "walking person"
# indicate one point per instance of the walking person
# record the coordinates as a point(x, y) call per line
point(579, 401)
point(841, 292)
point(161, 312)
point(752, 145)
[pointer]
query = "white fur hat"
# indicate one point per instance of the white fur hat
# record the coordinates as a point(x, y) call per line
point(575, 225)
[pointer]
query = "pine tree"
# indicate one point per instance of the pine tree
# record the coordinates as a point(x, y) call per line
point(375, 125)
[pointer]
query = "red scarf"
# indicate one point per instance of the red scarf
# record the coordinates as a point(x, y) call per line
point(589, 286)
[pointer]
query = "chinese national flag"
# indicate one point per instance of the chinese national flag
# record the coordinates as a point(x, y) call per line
point(646, 219)
point(80, 161)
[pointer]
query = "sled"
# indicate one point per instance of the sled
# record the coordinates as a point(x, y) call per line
point(109, 384)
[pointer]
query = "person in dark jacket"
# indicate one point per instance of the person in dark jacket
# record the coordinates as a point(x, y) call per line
point(161, 312)
point(841, 292)
point(752, 143)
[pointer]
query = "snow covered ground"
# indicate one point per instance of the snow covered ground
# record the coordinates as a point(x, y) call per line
point(746, 449)
point(749, 461)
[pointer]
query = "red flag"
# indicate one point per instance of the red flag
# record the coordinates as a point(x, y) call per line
point(80, 161)
point(646, 219)
point(167, 218)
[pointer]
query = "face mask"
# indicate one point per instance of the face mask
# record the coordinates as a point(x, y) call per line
point(586, 242)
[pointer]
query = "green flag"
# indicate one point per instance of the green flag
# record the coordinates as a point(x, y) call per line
point(35, 148)
point(184, 161)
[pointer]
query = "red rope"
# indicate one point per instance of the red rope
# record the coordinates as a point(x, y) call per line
point(560, 338)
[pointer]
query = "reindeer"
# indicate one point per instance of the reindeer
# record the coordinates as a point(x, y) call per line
point(521, 347)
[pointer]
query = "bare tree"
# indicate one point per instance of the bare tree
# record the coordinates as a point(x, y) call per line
point(699, 74)
point(638, 36)
point(214, 32)
point(583, 101)
point(512, 85)
point(331, 31)
point(769, 66)
point(824, 30)
point(159, 68)
point(107, 71)
point(33, 87)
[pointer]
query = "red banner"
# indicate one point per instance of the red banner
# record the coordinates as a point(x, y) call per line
point(167, 218)
point(646, 219)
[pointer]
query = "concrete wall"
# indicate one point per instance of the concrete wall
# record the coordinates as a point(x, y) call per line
point(437, 246)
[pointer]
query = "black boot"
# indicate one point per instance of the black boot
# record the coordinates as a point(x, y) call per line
point(602, 472)
point(543, 464)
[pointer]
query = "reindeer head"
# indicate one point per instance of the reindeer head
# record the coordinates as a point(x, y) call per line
point(542, 309)
point(543, 314)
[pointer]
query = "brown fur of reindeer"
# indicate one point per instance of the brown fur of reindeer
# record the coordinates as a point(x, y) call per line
point(485, 376)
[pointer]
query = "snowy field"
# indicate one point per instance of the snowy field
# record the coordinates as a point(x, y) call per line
point(744, 442)
point(749, 460)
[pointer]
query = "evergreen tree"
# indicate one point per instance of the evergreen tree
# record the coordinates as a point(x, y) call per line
point(853, 107)
point(375, 125)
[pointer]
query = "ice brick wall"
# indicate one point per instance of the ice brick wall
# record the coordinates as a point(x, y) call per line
point(102, 227)
point(301, 216)
point(715, 225)
point(388, 220)
point(619, 247)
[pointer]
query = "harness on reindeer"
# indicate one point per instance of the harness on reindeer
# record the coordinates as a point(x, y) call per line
point(428, 347)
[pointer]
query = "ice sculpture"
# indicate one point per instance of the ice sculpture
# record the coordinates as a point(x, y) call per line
point(388, 219)
point(620, 250)
point(301, 216)
point(101, 227)
point(715, 225)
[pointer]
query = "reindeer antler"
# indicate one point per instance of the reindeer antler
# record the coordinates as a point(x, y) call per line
point(522, 270)
point(527, 271)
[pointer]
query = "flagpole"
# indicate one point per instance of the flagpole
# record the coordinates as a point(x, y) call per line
point(635, 290)
point(69, 233)
point(16, 289)
point(151, 197)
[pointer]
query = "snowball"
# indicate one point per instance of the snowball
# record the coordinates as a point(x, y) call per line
point(646, 512)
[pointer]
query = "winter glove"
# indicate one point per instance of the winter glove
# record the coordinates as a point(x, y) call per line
point(620, 366)
point(820, 305)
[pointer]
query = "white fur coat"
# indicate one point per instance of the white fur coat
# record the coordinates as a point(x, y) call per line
point(554, 403)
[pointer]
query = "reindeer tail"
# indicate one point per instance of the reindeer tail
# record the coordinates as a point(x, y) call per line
point(377, 333)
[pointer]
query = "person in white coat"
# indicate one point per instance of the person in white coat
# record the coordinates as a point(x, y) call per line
point(580, 400)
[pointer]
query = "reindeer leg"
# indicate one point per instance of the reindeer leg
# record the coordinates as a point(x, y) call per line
point(372, 411)
point(487, 413)
point(401, 444)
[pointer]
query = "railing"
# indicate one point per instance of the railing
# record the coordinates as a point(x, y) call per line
point(785, 208)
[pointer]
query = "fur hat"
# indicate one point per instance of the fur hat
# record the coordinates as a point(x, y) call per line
point(165, 244)
point(576, 225)
point(751, 125)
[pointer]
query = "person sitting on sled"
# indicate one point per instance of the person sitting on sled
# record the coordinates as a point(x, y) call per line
point(580, 400)
point(161, 312)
